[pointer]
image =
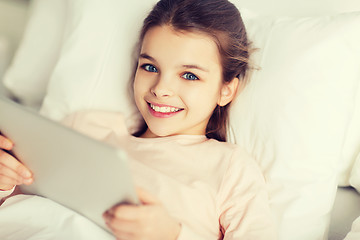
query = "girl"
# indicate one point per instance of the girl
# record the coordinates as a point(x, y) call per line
point(193, 56)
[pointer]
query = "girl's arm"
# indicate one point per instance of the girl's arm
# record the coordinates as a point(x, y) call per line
point(243, 201)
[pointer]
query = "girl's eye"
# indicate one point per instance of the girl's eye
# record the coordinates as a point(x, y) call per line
point(149, 68)
point(190, 76)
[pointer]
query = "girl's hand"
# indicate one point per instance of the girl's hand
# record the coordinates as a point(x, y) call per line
point(12, 172)
point(149, 221)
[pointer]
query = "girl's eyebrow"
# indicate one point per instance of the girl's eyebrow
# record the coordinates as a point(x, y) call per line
point(191, 66)
point(146, 56)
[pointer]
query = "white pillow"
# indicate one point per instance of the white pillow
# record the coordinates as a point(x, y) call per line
point(351, 144)
point(295, 112)
point(36, 56)
point(355, 174)
point(95, 63)
point(4, 54)
point(292, 116)
point(354, 234)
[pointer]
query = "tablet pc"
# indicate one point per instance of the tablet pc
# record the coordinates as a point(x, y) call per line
point(69, 168)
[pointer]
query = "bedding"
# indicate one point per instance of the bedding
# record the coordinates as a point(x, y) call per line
point(355, 174)
point(4, 54)
point(346, 209)
point(36, 218)
point(293, 114)
point(100, 67)
point(34, 60)
point(298, 116)
point(354, 234)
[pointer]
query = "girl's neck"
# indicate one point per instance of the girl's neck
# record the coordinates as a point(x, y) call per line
point(149, 134)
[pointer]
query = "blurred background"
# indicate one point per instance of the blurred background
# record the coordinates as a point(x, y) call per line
point(13, 16)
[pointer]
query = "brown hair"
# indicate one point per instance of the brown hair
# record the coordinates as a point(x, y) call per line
point(220, 20)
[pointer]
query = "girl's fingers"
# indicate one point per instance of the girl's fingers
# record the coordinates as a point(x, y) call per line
point(120, 228)
point(12, 163)
point(5, 143)
point(7, 183)
point(9, 178)
point(121, 217)
point(6, 172)
point(124, 212)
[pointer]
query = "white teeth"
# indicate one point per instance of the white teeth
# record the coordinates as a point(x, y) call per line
point(164, 109)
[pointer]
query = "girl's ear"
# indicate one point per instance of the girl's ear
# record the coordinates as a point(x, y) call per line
point(228, 92)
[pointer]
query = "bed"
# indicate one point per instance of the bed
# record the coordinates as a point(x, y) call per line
point(298, 116)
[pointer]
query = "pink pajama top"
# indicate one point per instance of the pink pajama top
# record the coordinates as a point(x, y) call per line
point(214, 189)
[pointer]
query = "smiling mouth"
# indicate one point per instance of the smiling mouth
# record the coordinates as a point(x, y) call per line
point(164, 109)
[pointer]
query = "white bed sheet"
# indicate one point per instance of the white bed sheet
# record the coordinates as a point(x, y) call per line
point(346, 210)
point(355, 231)
point(36, 218)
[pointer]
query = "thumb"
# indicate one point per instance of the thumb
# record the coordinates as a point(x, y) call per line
point(5, 143)
point(145, 197)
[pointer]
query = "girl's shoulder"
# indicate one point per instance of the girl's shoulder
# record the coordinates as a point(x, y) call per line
point(239, 155)
point(231, 148)
point(232, 155)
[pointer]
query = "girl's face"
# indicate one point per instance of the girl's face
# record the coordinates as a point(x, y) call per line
point(178, 82)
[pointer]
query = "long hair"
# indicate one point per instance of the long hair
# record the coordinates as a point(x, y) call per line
point(220, 20)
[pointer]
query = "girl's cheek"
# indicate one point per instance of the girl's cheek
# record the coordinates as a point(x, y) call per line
point(137, 83)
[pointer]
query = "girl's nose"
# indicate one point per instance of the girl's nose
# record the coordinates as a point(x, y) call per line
point(162, 88)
